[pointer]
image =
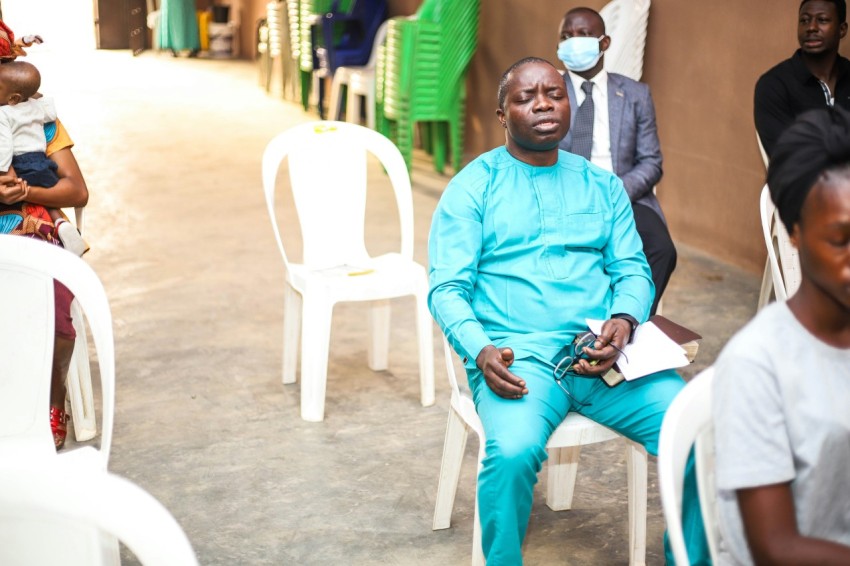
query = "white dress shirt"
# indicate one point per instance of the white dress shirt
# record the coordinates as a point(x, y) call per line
point(600, 153)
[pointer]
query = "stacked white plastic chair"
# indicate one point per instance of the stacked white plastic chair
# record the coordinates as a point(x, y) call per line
point(279, 49)
point(62, 515)
point(625, 23)
point(327, 164)
point(564, 447)
point(688, 424)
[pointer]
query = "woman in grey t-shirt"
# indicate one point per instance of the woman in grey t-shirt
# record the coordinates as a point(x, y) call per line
point(782, 385)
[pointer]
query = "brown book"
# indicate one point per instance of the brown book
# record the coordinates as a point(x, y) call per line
point(684, 337)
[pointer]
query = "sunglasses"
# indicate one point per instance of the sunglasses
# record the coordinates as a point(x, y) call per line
point(576, 353)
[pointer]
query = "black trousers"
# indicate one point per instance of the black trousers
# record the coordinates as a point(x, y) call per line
point(658, 248)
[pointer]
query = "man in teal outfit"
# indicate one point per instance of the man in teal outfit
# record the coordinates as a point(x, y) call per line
point(526, 243)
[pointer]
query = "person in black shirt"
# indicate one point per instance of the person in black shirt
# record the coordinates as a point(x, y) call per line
point(816, 76)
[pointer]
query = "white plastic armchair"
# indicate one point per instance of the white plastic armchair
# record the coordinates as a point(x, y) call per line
point(27, 270)
point(687, 424)
point(625, 23)
point(328, 177)
point(564, 448)
point(62, 515)
point(783, 262)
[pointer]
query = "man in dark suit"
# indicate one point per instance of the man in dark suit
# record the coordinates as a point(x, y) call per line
point(617, 132)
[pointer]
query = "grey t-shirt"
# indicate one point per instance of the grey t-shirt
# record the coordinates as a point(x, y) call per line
point(782, 414)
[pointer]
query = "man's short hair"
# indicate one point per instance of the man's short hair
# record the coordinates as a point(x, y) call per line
point(586, 10)
point(840, 8)
point(505, 80)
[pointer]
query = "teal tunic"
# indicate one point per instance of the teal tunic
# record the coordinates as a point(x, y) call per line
point(178, 25)
point(521, 255)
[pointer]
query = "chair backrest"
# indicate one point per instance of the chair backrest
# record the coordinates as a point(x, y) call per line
point(349, 38)
point(688, 424)
point(328, 176)
point(782, 256)
point(41, 519)
point(27, 270)
point(380, 37)
point(450, 367)
point(625, 23)
point(763, 153)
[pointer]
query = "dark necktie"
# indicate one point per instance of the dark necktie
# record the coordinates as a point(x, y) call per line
point(583, 125)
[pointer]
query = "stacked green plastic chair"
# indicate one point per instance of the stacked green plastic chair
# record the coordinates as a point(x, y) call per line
point(422, 77)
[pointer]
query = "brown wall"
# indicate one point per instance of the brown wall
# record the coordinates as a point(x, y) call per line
point(702, 60)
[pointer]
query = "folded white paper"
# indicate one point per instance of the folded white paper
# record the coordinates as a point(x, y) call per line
point(650, 351)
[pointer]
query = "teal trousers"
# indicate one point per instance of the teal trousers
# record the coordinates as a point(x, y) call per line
point(517, 431)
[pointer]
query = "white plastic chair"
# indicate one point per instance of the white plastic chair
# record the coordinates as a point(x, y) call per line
point(360, 84)
point(564, 448)
point(27, 270)
point(783, 260)
point(625, 23)
point(63, 515)
point(688, 424)
point(327, 171)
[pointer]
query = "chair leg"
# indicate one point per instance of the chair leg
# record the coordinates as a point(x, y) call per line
point(266, 70)
point(453, 448)
point(456, 128)
point(766, 286)
point(370, 106)
point(562, 472)
point(79, 382)
point(336, 91)
point(425, 332)
point(291, 332)
point(440, 134)
point(477, 547)
point(315, 341)
point(379, 335)
point(636, 466)
point(352, 106)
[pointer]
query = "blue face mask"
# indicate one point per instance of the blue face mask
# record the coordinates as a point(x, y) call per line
point(580, 53)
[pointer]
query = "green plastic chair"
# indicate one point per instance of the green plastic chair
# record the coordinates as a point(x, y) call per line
point(422, 78)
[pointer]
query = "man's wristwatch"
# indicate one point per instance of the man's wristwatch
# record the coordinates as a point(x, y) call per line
point(633, 323)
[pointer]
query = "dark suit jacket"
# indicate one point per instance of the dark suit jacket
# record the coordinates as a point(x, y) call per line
point(635, 149)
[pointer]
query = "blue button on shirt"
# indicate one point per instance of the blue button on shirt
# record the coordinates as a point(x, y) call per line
point(521, 255)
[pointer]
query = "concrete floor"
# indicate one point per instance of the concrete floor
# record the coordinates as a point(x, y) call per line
point(180, 236)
